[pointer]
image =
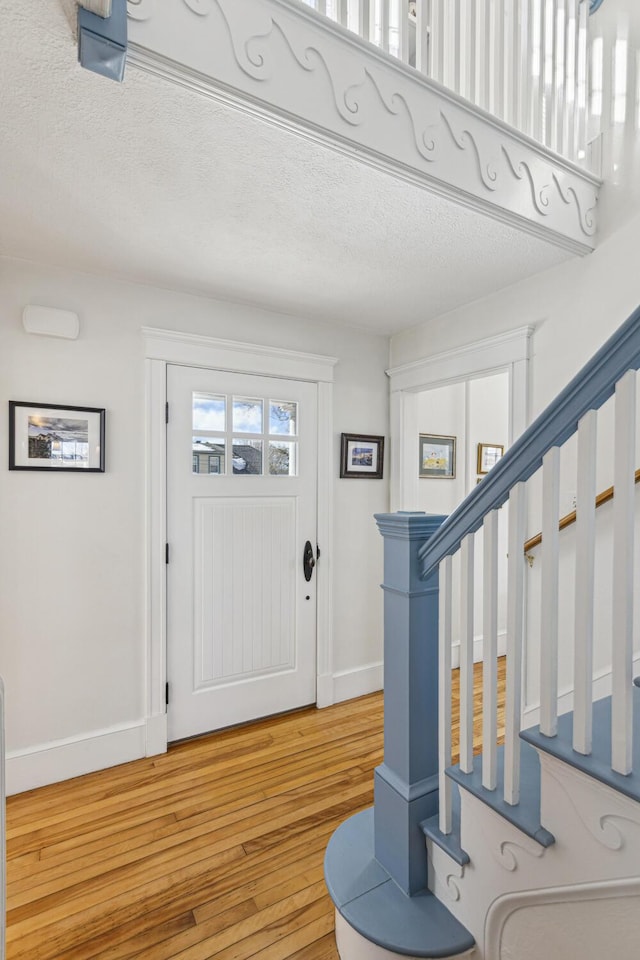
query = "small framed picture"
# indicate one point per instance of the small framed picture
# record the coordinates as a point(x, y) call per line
point(488, 456)
point(437, 456)
point(49, 436)
point(361, 456)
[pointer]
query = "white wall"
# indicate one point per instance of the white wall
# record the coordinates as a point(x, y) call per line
point(442, 411)
point(72, 566)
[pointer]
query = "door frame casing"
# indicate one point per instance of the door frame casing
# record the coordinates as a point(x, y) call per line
point(508, 352)
point(164, 347)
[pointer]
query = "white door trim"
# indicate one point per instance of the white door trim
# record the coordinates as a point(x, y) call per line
point(508, 351)
point(170, 346)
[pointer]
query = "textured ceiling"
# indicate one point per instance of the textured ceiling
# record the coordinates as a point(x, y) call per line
point(153, 183)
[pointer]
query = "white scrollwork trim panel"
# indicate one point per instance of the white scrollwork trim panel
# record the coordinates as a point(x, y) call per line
point(282, 61)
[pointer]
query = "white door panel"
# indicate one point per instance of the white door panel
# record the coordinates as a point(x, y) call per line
point(241, 503)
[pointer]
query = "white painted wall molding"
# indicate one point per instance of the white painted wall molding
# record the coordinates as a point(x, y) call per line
point(162, 347)
point(200, 351)
point(75, 756)
point(358, 682)
point(509, 352)
point(277, 59)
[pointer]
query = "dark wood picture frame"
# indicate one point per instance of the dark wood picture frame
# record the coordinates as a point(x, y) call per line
point(361, 456)
point(23, 448)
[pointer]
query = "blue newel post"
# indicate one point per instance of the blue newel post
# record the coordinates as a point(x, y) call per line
point(406, 784)
point(375, 866)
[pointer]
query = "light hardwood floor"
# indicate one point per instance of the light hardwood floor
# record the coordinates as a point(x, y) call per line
point(213, 850)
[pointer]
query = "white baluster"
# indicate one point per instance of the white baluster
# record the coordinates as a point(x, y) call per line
point(490, 653)
point(444, 696)
point(436, 40)
point(537, 69)
point(467, 576)
point(482, 63)
point(422, 36)
point(569, 148)
point(582, 82)
point(403, 30)
point(623, 530)
point(321, 6)
point(467, 49)
point(511, 76)
point(549, 555)
point(549, 72)
point(342, 12)
point(515, 630)
point(383, 13)
point(360, 18)
point(524, 64)
point(496, 55)
point(585, 550)
point(451, 49)
point(559, 86)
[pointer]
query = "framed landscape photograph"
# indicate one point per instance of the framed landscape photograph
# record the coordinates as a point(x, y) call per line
point(49, 436)
point(361, 456)
point(437, 456)
point(488, 456)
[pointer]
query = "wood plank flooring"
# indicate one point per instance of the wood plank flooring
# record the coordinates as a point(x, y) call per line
point(213, 850)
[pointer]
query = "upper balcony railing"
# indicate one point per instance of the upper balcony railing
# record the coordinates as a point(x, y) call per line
point(524, 61)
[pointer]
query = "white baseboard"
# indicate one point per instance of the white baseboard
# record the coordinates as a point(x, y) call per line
point(75, 756)
point(357, 682)
point(478, 645)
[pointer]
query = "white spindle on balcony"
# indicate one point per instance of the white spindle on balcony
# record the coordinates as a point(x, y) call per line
point(523, 60)
point(444, 699)
point(623, 537)
point(549, 593)
point(585, 569)
point(490, 653)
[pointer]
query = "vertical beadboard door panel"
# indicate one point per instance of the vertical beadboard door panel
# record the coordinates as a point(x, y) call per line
point(241, 504)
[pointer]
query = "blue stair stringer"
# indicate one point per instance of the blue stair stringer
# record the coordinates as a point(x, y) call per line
point(375, 906)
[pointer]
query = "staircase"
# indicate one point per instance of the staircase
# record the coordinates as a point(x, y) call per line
point(531, 849)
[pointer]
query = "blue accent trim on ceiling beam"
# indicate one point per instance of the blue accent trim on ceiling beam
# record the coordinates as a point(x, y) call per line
point(102, 42)
point(588, 390)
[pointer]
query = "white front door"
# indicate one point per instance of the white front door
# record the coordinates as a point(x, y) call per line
point(241, 504)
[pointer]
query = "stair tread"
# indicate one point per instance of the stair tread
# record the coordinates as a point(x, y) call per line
point(449, 842)
point(524, 815)
point(598, 763)
point(375, 906)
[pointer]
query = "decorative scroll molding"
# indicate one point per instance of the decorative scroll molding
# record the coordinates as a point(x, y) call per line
point(506, 855)
point(607, 829)
point(285, 63)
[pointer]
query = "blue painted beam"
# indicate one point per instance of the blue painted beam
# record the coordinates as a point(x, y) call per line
point(102, 42)
point(588, 390)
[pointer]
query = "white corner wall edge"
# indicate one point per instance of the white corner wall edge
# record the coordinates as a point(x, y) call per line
point(75, 756)
point(50, 322)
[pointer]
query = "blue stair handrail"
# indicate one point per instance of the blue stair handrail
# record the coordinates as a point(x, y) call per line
point(588, 390)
